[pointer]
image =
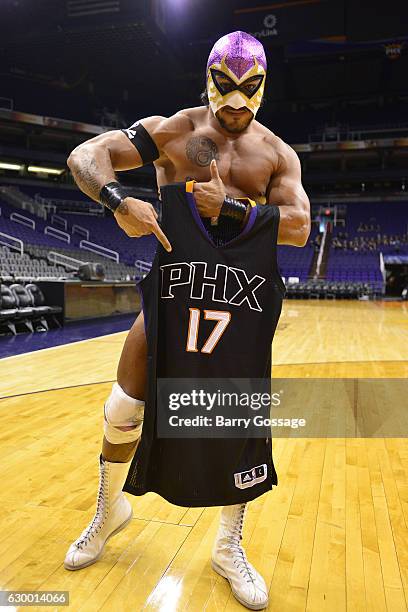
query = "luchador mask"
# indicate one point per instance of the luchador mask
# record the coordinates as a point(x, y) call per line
point(236, 71)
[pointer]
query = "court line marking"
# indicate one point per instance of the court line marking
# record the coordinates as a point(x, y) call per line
point(88, 384)
point(60, 346)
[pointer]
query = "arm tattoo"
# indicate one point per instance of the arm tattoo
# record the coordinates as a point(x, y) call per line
point(87, 175)
point(201, 150)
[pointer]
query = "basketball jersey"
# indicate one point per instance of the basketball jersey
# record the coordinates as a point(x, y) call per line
point(240, 281)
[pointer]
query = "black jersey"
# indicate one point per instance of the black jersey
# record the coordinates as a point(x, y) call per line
point(240, 283)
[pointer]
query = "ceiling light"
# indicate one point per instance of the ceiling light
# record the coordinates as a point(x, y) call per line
point(44, 170)
point(7, 166)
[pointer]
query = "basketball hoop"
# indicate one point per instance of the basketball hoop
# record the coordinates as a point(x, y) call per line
point(393, 50)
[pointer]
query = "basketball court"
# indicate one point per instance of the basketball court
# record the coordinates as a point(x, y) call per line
point(332, 536)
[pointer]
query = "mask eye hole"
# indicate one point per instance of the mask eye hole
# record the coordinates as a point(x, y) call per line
point(222, 82)
point(251, 85)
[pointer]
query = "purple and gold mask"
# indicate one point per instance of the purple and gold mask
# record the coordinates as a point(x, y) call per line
point(236, 71)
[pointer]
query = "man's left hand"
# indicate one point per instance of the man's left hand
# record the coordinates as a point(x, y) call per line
point(210, 196)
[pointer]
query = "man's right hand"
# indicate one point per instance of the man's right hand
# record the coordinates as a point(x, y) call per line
point(138, 218)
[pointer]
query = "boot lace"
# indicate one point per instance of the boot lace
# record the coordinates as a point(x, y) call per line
point(101, 511)
point(240, 560)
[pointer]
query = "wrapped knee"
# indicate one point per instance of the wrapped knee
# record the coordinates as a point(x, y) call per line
point(123, 414)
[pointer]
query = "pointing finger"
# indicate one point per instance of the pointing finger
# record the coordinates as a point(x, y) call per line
point(161, 237)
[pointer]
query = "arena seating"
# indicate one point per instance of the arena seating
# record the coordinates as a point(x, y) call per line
point(370, 229)
point(360, 267)
point(71, 200)
point(60, 192)
point(295, 261)
point(23, 266)
point(113, 271)
point(105, 231)
point(323, 289)
point(23, 307)
point(353, 259)
point(37, 245)
point(377, 217)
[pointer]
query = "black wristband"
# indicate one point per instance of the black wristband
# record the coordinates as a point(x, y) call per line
point(234, 209)
point(112, 195)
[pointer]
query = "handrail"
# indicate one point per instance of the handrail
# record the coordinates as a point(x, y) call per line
point(16, 197)
point(85, 205)
point(320, 256)
point(59, 201)
point(65, 260)
point(12, 246)
point(382, 267)
point(61, 220)
point(56, 233)
point(42, 212)
point(44, 204)
point(93, 247)
point(78, 229)
point(28, 205)
point(49, 208)
point(17, 218)
point(143, 267)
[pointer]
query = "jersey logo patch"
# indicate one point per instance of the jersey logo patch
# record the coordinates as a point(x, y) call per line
point(251, 477)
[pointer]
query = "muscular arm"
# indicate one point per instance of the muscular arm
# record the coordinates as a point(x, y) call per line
point(286, 191)
point(93, 163)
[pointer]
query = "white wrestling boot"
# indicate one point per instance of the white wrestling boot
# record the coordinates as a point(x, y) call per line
point(113, 513)
point(229, 560)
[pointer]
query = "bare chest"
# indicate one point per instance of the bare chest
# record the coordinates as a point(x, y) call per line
point(245, 164)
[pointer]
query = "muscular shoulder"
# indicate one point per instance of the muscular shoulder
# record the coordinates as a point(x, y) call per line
point(164, 129)
point(272, 140)
point(285, 154)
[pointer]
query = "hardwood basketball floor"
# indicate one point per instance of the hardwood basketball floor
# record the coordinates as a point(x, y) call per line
point(332, 536)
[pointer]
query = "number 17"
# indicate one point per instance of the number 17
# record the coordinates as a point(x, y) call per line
point(222, 316)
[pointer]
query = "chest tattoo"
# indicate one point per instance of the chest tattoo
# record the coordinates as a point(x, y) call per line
point(201, 150)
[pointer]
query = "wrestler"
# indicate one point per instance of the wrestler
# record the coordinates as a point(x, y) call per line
point(231, 156)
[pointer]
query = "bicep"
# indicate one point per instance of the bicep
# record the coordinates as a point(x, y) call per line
point(286, 191)
point(122, 153)
point(160, 129)
point(122, 150)
point(285, 184)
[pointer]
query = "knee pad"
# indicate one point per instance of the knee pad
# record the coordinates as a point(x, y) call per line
point(123, 414)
